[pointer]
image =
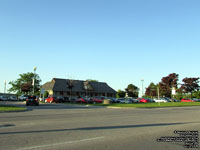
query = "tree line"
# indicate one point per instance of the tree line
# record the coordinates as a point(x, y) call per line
point(189, 88)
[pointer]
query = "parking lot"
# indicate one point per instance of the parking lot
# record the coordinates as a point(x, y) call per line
point(78, 127)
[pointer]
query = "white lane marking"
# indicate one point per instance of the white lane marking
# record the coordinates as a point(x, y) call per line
point(69, 142)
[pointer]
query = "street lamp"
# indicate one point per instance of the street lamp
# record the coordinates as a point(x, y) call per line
point(142, 80)
point(34, 69)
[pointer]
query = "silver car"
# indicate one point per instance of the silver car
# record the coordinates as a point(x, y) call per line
point(13, 98)
point(4, 98)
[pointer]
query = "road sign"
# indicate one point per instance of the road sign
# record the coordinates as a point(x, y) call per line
point(173, 91)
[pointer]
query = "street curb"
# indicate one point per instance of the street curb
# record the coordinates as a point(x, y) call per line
point(120, 107)
point(147, 107)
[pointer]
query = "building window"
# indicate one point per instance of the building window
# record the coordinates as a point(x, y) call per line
point(78, 94)
point(61, 93)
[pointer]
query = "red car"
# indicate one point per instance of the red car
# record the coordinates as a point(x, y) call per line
point(81, 100)
point(51, 100)
point(187, 100)
point(98, 100)
point(143, 100)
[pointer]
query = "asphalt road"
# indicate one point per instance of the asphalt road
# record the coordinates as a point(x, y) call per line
point(70, 127)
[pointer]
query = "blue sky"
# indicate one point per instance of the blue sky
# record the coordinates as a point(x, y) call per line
point(116, 41)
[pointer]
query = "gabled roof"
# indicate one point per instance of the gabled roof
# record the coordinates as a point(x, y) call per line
point(58, 84)
point(48, 85)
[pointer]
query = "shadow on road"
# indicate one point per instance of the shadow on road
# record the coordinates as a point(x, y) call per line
point(100, 128)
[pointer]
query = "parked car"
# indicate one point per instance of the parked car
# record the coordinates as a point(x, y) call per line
point(150, 100)
point(134, 100)
point(166, 98)
point(119, 100)
point(4, 98)
point(175, 100)
point(126, 101)
point(32, 100)
point(23, 97)
point(97, 100)
point(162, 99)
point(187, 100)
point(196, 100)
point(143, 100)
point(13, 98)
point(72, 100)
point(112, 100)
point(82, 100)
point(66, 99)
point(51, 100)
point(60, 99)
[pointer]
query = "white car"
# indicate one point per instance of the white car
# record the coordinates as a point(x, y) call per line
point(165, 100)
point(23, 97)
point(159, 100)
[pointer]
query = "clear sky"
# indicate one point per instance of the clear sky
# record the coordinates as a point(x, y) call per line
point(116, 41)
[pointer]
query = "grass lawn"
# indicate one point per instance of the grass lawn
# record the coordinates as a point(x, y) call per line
point(151, 105)
point(4, 108)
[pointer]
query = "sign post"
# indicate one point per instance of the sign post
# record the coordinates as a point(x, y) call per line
point(173, 92)
point(42, 91)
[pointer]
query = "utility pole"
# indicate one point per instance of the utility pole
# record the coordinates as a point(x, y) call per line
point(158, 94)
point(142, 80)
point(34, 69)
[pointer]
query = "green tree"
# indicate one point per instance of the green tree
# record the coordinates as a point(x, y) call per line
point(23, 85)
point(151, 90)
point(132, 90)
point(46, 94)
point(121, 94)
point(167, 83)
point(190, 85)
point(196, 94)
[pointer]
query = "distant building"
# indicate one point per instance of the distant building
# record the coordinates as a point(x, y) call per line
point(7, 94)
point(77, 88)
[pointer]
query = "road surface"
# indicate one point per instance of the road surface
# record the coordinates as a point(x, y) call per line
point(73, 127)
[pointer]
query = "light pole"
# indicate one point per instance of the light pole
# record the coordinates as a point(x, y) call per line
point(142, 80)
point(4, 86)
point(34, 69)
point(86, 88)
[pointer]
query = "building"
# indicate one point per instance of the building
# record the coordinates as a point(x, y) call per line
point(7, 94)
point(77, 88)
